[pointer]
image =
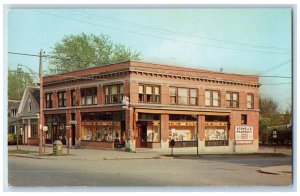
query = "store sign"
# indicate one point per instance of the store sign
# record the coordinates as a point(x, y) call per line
point(243, 133)
point(72, 122)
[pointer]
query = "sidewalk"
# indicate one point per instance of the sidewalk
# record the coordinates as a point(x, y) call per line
point(277, 170)
point(85, 154)
point(110, 154)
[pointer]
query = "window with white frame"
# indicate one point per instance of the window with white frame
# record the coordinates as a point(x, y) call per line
point(212, 98)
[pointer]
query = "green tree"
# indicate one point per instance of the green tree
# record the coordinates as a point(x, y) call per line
point(75, 52)
point(272, 120)
point(18, 80)
point(269, 110)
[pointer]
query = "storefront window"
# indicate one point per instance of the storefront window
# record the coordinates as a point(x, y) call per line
point(101, 126)
point(153, 132)
point(215, 133)
point(216, 130)
point(182, 127)
point(102, 131)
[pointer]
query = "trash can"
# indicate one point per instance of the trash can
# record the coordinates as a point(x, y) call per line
point(57, 148)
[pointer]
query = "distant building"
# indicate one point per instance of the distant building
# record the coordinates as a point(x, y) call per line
point(146, 105)
point(29, 114)
point(12, 109)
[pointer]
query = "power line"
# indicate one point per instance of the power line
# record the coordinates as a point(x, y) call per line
point(159, 37)
point(67, 59)
point(275, 66)
point(275, 76)
point(276, 83)
point(185, 34)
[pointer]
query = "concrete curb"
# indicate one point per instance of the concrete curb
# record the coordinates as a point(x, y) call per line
point(277, 170)
point(26, 156)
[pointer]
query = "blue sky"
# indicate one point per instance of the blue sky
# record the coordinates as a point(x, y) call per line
point(243, 41)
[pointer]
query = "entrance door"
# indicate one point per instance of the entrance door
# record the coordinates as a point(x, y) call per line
point(142, 139)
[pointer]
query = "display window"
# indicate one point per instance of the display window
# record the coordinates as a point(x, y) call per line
point(215, 133)
point(153, 132)
point(183, 133)
point(182, 127)
point(100, 131)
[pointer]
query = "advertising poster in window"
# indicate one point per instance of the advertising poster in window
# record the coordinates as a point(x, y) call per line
point(215, 134)
point(244, 134)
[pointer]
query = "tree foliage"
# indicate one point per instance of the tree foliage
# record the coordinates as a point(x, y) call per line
point(268, 107)
point(76, 52)
point(272, 120)
point(18, 80)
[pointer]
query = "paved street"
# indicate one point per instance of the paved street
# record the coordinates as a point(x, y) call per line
point(139, 169)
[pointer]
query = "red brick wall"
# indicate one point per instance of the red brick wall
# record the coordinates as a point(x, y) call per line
point(165, 94)
point(252, 120)
point(68, 97)
point(97, 144)
point(33, 141)
point(100, 95)
point(55, 99)
point(190, 71)
point(164, 124)
point(201, 127)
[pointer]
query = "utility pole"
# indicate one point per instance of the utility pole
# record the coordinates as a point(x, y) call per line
point(17, 132)
point(41, 103)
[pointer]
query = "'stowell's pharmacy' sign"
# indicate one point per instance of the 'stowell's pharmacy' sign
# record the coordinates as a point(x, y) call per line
point(243, 133)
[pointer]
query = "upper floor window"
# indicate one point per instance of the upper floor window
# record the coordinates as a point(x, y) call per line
point(29, 105)
point(14, 113)
point(49, 100)
point(212, 98)
point(73, 98)
point(62, 99)
point(232, 100)
point(89, 96)
point(183, 96)
point(250, 100)
point(113, 93)
point(149, 93)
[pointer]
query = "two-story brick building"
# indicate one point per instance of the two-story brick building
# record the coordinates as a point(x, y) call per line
point(145, 105)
